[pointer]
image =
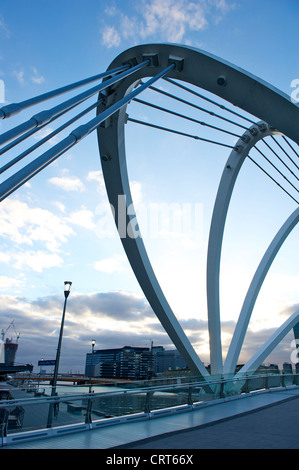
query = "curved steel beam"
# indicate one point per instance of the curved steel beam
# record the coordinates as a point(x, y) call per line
point(269, 345)
point(210, 73)
point(223, 197)
point(253, 291)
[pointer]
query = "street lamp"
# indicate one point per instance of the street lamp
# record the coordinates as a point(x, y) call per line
point(93, 342)
point(89, 403)
point(67, 290)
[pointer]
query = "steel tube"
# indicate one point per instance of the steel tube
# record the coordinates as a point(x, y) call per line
point(30, 170)
point(30, 133)
point(48, 137)
point(46, 116)
point(22, 176)
point(15, 108)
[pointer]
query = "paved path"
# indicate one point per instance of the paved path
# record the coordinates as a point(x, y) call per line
point(274, 427)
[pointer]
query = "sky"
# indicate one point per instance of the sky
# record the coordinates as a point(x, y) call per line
point(59, 227)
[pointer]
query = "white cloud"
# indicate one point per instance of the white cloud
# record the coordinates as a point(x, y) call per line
point(36, 260)
point(110, 37)
point(19, 76)
point(173, 18)
point(7, 282)
point(170, 20)
point(36, 77)
point(67, 183)
point(98, 177)
point(22, 224)
point(83, 218)
point(60, 206)
point(39, 135)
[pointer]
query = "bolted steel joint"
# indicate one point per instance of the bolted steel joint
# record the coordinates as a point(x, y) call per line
point(177, 61)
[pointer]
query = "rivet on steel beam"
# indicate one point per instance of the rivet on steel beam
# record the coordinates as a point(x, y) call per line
point(221, 81)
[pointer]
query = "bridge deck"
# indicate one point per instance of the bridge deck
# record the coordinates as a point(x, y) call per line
point(261, 420)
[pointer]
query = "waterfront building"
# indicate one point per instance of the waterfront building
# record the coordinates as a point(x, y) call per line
point(168, 360)
point(125, 363)
point(132, 362)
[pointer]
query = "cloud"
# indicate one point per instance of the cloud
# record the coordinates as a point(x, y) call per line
point(39, 135)
point(19, 76)
point(83, 218)
point(36, 260)
point(173, 18)
point(169, 20)
point(110, 37)
point(113, 319)
point(24, 225)
point(67, 183)
point(36, 77)
point(4, 28)
point(97, 176)
point(7, 282)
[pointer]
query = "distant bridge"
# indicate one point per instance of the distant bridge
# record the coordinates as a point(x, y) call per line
point(78, 380)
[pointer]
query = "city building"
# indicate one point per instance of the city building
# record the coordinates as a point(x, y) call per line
point(125, 363)
point(132, 363)
point(165, 360)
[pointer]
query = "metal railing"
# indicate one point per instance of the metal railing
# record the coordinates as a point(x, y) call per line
point(26, 418)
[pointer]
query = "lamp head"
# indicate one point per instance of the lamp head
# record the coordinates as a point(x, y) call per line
point(67, 288)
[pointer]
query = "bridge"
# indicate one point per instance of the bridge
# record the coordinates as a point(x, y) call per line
point(258, 116)
point(78, 380)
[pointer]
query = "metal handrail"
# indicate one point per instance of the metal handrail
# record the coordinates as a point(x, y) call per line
point(161, 388)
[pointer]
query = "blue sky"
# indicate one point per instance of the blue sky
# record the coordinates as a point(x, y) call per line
point(57, 227)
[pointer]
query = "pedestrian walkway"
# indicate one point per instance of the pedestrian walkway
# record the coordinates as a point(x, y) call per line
point(273, 427)
point(258, 420)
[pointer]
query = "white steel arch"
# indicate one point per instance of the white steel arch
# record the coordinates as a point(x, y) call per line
point(231, 83)
point(253, 291)
point(269, 345)
point(225, 190)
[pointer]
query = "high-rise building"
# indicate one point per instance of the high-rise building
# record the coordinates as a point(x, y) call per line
point(132, 362)
point(126, 363)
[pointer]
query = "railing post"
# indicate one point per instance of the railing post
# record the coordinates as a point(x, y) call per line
point(222, 383)
point(266, 382)
point(147, 408)
point(88, 419)
point(190, 400)
point(246, 386)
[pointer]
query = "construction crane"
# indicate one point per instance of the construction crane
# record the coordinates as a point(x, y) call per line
point(3, 333)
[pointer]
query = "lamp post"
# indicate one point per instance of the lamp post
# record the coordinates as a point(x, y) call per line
point(67, 290)
point(93, 342)
point(89, 403)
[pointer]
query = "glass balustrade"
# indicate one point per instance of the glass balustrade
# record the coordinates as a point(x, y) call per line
point(28, 410)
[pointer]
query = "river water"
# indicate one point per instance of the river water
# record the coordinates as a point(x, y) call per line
point(115, 405)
